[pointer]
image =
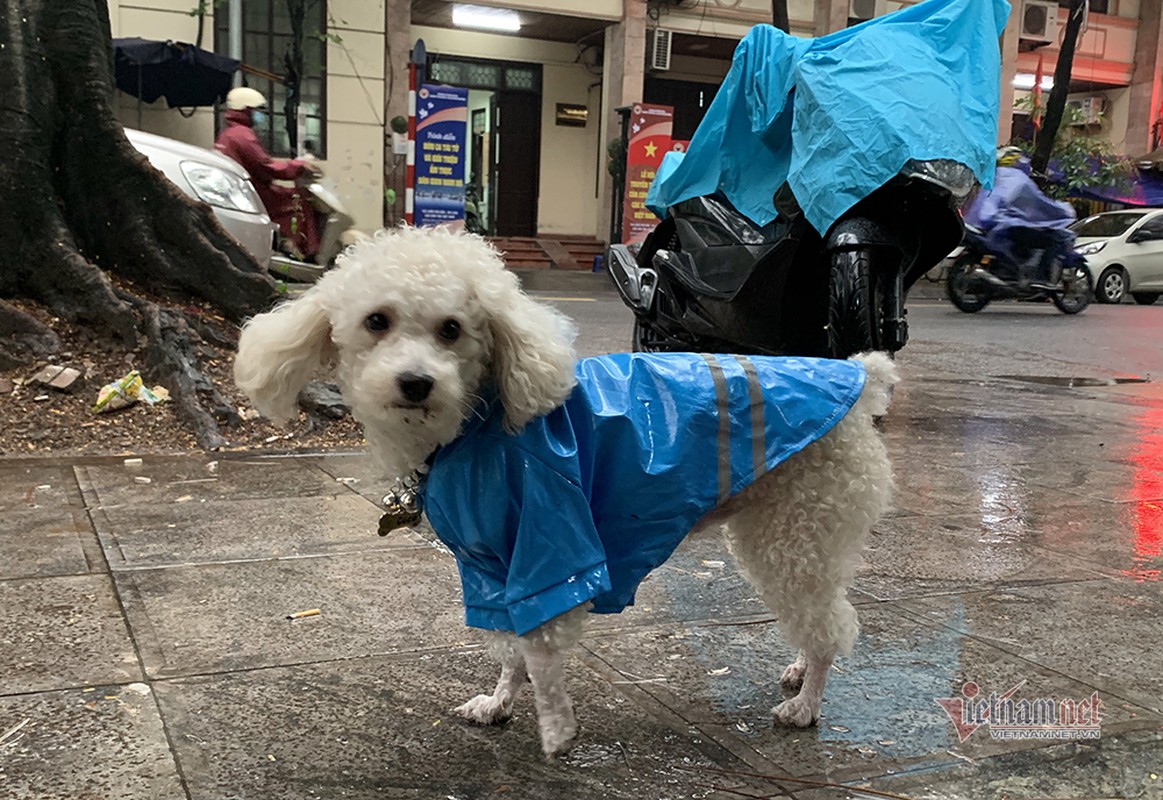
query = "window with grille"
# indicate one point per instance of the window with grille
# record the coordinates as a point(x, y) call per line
point(267, 41)
point(492, 76)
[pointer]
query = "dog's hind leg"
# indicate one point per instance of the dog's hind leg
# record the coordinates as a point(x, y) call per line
point(804, 709)
point(544, 650)
point(496, 708)
point(798, 535)
point(793, 675)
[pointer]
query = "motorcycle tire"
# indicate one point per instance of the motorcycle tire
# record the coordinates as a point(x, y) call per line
point(957, 287)
point(1072, 304)
point(855, 305)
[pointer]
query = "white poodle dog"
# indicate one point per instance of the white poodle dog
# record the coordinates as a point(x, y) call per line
point(431, 339)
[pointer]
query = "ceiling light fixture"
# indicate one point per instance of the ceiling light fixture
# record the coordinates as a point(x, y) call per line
point(489, 19)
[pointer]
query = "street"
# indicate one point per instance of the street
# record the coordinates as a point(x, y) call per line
point(227, 625)
point(1005, 338)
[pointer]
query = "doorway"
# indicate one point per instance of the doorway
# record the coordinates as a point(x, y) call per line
point(504, 153)
point(515, 163)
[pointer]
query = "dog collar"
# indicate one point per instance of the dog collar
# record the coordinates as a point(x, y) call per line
point(403, 502)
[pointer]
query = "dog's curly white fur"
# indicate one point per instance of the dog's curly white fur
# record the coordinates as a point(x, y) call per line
point(438, 307)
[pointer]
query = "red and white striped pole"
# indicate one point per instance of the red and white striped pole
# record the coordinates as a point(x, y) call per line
point(410, 161)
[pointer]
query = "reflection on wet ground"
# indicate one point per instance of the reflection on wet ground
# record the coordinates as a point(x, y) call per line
point(146, 653)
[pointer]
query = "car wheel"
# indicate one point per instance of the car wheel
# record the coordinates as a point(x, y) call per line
point(1145, 298)
point(1112, 285)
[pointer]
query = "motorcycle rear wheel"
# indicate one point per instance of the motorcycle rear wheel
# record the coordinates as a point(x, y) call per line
point(959, 285)
point(855, 304)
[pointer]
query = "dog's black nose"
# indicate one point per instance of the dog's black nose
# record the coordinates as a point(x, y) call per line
point(414, 387)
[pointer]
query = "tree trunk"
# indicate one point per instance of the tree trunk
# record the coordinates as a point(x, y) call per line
point(91, 225)
point(1056, 105)
point(779, 15)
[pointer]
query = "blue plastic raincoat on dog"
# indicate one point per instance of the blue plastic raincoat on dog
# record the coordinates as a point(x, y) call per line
point(586, 500)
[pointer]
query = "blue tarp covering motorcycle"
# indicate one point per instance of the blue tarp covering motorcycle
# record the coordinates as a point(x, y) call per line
point(824, 179)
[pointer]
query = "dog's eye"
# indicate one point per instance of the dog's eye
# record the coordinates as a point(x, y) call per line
point(449, 330)
point(377, 322)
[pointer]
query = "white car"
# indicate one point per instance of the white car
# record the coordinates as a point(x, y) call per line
point(1124, 252)
point(216, 180)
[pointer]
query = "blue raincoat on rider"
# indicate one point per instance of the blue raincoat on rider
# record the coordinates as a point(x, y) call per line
point(585, 501)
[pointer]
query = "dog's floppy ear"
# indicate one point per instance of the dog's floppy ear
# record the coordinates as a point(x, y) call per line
point(280, 351)
point(533, 357)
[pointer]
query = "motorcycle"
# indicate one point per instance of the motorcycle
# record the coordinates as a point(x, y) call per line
point(978, 277)
point(1018, 245)
point(336, 231)
point(472, 210)
point(790, 226)
point(709, 279)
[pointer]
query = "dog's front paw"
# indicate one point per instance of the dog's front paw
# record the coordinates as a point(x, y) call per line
point(796, 712)
point(557, 740)
point(485, 709)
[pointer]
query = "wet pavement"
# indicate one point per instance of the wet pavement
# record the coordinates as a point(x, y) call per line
point(145, 649)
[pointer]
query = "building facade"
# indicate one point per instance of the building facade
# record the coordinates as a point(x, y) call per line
point(343, 84)
point(545, 78)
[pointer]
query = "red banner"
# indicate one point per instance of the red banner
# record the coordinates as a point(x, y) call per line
point(650, 128)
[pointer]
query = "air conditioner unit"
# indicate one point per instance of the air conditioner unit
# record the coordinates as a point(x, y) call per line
point(1089, 109)
point(1039, 21)
point(659, 56)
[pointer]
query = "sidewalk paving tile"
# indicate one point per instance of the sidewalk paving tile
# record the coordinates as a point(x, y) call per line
point(98, 743)
point(1122, 765)
point(1102, 633)
point(380, 727)
point(216, 617)
point(61, 632)
point(879, 712)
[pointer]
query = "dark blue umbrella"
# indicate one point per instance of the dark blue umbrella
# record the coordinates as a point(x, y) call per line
point(182, 73)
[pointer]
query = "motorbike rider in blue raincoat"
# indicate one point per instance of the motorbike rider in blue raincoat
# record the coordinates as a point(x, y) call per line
point(1017, 222)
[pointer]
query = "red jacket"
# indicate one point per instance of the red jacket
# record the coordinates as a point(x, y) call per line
point(288, 208)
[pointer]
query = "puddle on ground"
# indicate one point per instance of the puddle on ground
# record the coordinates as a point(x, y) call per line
point(1072, 382)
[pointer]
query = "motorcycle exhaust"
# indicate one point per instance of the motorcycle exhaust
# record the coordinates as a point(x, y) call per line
point(987, 276)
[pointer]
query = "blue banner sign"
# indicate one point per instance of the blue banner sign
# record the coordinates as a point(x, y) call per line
point(441, 131)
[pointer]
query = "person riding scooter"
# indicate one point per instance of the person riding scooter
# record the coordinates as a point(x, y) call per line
point(1019, 223)
point(1018, 245)
point(289, 207)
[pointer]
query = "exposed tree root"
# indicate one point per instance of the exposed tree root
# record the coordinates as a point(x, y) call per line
point(86, 206)
point(23, 338)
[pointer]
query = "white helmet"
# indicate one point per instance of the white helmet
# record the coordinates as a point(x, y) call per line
point(244, 97)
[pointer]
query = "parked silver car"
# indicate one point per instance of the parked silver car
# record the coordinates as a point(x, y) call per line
point(216, 180)
point(1124, 252)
